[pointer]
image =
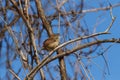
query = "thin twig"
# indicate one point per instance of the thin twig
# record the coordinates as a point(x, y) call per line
point(86, 73)
point(113, 18)
point(102, 54)
point(13, 73)
point(19, 51)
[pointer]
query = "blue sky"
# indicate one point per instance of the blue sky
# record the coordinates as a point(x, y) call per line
point(112, 55)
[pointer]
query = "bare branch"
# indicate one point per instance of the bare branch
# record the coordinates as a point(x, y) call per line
point(41, 14)
point(13, 73)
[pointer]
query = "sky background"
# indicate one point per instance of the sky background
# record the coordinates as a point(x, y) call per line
point(112, 55)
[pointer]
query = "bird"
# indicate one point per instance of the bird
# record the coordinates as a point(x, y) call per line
point(52, 42)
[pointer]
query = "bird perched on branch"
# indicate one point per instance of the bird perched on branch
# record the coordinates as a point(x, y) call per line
point(52, 42)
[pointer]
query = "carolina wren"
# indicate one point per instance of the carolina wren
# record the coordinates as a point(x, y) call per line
point(52, 42)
